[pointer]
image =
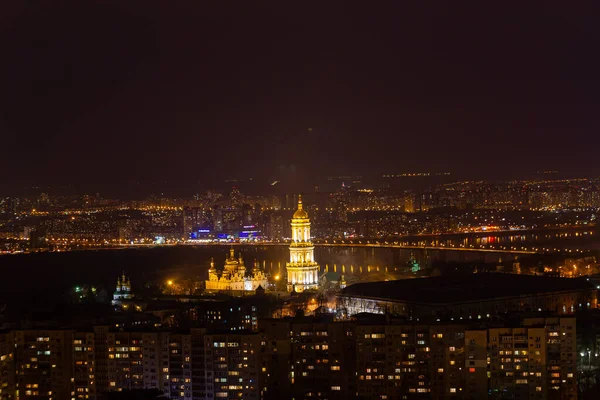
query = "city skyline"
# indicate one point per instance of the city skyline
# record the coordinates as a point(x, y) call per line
point(277, 200)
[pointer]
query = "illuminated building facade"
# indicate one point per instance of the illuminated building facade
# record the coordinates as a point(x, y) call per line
point(310, 358)
point(84, 366)
point(302, 270)
point(379, 358)
point(371, 357)
point(233, 276)
point(235, 362)
point(43, 364)
point(7, 366)
point(230, 315)
point(538, 359)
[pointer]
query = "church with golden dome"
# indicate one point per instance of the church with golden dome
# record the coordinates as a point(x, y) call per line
point(123, 290)
point(302, 269)
point(233, 276)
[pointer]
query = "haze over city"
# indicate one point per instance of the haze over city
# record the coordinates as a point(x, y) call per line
point(113, 93)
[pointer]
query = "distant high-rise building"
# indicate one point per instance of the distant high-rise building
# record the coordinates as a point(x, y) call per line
point(217, 219)
point(276, 203)
point(236, 196)
point(409, 202)
point(195, 219)
point(276, 227)
point(37, 239)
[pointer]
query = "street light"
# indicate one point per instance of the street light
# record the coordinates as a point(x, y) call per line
point(589, 353)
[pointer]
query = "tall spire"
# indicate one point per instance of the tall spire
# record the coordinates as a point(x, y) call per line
point(300, 213)
point(231, 253)
point(302, 270)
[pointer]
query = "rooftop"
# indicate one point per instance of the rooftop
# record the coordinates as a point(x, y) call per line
point(460, 289)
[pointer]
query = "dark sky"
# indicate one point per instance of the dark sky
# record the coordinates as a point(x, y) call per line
point(119, 91)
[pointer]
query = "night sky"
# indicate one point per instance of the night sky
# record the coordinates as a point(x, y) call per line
point(113, 92)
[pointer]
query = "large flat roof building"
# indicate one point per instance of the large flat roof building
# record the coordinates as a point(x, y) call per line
point(468, 296)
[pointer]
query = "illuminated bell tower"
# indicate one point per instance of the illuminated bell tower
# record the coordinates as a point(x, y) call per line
point(302, 270)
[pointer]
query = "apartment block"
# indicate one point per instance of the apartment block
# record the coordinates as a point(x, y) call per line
point(7, 366)
point(43, 363)
point(84, 365)
point(235, 362)
point(371, 357)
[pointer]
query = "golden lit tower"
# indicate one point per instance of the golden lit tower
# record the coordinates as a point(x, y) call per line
point(302, 270)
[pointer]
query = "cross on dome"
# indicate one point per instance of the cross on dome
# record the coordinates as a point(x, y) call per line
point(300, 213)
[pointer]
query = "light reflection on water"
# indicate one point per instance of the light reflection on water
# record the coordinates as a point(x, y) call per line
point(352, 258)
point(47, 271)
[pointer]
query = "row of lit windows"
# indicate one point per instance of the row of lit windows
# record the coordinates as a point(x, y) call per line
point(229, 344)
point(375, 336)
point(111, 356)
point(379, 377)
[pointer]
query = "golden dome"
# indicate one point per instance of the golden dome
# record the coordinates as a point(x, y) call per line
point(300, 213)
point(231, 260)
